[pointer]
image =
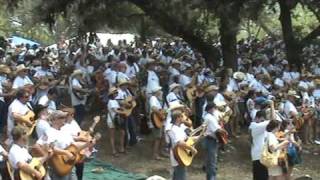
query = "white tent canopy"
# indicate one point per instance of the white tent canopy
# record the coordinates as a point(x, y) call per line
point(104, 37)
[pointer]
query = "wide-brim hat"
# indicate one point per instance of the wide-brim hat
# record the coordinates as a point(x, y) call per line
point(156, 89)
point(112, 90)
point(58, 114)
point(150, 62)
point(239, 76)
point(77, 72)
point(5, 69)
point(316, 82)
point(175, 105)
point(44, 84)
point(175, 62)
point(123, 82)
point(21, 67)
point(69, 110)
point(211, 88)
point(293, 93)
point(220, 103)
point(229, 95)
point(174, 86)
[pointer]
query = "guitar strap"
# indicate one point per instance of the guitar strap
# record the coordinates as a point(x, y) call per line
point(29, 106)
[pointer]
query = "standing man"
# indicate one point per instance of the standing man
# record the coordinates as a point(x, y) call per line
point(78, 95)
point(177, 137)
point(211, 143)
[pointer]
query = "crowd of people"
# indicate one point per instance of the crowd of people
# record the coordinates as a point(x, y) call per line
point(163, 88)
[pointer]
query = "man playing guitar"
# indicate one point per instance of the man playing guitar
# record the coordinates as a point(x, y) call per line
point(60, 139)
point(177, 137)
point(17, 109)
point(19, 155)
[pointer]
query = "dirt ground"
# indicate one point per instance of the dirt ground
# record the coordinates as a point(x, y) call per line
point(234, 164)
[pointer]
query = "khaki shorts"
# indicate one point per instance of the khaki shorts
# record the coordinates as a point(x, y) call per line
point(157, 133)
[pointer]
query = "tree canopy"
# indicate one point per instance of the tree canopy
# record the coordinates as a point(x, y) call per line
point(199, 22)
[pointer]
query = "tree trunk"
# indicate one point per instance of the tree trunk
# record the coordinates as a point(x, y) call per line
point(293, 48)
point(228, 32)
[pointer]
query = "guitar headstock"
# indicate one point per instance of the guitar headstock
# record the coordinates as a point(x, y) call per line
point(97, 136)
point(96, 119)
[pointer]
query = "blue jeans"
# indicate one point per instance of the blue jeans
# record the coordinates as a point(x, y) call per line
point(179, 173)
point(211, 157)
point(79, 113)
point(132, 131)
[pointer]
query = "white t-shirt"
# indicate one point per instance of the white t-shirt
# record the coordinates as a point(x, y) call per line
point(176, 134)
point(172, 97)
point(71, 128)
point(42, 127)
point(155, 103)
point(20, 82)
point(1, 152)
point(153, 81)
point(288, 108)
point(184, 80)
point(74, 100)
point(112, 104)
point(42, 73)
point(44, 101)
point(18, 154)
point(213, 125)
point(15, 107)
point(60, 138)
point(258, 133)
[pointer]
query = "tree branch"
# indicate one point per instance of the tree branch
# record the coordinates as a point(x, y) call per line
point(312, 35)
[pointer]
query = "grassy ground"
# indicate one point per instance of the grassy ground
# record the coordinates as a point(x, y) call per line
point(233, 165)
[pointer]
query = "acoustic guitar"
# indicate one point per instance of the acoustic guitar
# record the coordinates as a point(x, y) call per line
point(87, 135)
point(29, 117)
point(37, 164)
point(191, 93)
point(34, 164)
point(222, 136)
point(158, 118)
point(185, 156)
point(127, 106)
point(62, 165)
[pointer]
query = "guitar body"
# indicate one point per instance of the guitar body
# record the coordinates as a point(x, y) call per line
point(184, 156)
point(298, 123)
point(128, 105)
point(222, 138)
point(191, 93)
point(35, 164)
point(29, 117)
point(61, 165)
point(158, 119)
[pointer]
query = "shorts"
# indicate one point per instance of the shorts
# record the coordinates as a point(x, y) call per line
point(275, 171)
point(157, 133)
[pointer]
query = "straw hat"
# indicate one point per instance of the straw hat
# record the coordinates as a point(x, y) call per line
point(21, 67)
point(69, 110)
point(175, 105)
point(58, 114)
point(112, 90)
point(5, 69)
point(174, 86)
point(123, 82)
point(175, 62)
point(77, 72)
point(220, 103)
point(317, 81)
point(229, 95)
point(293, 93)
point(211, 88)
point(156, 89)
point(239, 76)
point(44, 84)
